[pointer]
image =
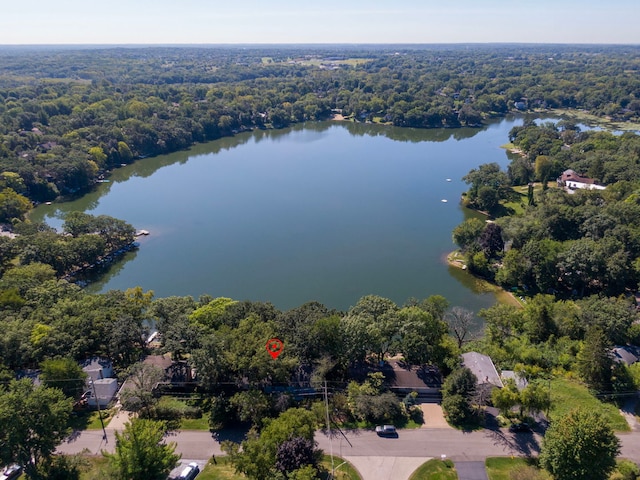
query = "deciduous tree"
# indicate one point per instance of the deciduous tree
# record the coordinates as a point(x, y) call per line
point(34, 421)
point(580, 446)
point(141, 452)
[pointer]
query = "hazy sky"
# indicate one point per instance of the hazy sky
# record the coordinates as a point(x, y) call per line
point(328, 21)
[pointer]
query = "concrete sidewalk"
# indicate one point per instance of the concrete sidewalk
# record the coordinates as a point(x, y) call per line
point(386, 468)
point(119, 419)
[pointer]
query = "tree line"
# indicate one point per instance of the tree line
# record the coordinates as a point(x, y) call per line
point(81, 113)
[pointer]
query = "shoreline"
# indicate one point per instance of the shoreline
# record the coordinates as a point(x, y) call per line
point(455, 260)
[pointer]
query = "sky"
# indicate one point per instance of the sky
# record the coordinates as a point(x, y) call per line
point(327, 21)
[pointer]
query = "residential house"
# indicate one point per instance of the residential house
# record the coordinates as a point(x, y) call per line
point(101, 386)
point(626, 354)
point(483, 368)
point(571, 181)
point(98, 368)
point(520, 380)
point(176, 373)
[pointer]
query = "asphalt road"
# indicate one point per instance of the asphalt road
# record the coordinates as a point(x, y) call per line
point(424, 442)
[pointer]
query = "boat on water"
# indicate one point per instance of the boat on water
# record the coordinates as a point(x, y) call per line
point(444, 200)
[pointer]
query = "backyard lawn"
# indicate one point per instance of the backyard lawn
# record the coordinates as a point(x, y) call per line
point(567, 395)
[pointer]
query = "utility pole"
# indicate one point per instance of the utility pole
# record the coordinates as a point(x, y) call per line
point(326, 404)
point(104, 432)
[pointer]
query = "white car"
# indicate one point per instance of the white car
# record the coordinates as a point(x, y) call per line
point(12, 471)
point(189, 472)
point(386, 430)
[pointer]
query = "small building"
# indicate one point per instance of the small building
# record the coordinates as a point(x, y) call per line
point(176, 372)
point(571, 181)
point(520, 381)
point(626, 354)
point(98, 368)
point(483, 368)
point(102, 392)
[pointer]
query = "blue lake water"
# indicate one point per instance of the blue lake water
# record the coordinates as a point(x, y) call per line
point(326, 211)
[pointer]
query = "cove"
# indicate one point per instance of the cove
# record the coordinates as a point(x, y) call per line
point(326, 211)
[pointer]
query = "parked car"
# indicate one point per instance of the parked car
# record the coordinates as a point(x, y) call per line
point(10, 472)
point(521, 427)
point(189, 472)
point(386, 431)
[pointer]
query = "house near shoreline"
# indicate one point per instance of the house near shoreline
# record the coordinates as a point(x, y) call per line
point(101, 385)
point(625, 354)
point(483, 368)
point(572, 181)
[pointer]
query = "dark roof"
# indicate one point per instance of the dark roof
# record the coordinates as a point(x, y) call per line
point(625, 354)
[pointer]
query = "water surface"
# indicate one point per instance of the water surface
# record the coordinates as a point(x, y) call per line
point(321, 211)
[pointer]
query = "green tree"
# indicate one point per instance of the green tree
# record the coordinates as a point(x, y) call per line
point(420, 335)
point(580, 446)
point(34, 421)
point(544, 168)
point(141, 453)
point(251, 406)
point(595, 362)
point(462, 381)
point(258, 457)
point(13, 205)
point(457, 393)
point(468, 232)
point(65, 374)
point(142, 379)
point(504, 399)
point(210, 315)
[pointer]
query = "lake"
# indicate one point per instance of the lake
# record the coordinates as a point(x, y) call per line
point(327, 211)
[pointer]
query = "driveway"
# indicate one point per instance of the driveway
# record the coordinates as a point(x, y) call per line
point(471, 471)
point(386, 468)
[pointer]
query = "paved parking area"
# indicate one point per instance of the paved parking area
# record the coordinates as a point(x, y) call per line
point(471, 471)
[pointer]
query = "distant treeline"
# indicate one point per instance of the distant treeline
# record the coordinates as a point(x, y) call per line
point(68, 116)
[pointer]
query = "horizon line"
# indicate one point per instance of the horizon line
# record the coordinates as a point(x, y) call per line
point(262, 44)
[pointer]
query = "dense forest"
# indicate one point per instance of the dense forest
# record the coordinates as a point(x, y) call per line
point(567, 243)
point(68, 116)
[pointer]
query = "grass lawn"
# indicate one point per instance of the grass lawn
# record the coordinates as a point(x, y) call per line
point(223, 470)
point(178, 405)
point(567, 395)
point(503, 468)
point(346, 470)
point(94, 466)
point(435, 469)
point(90, 420)
point(201, 423)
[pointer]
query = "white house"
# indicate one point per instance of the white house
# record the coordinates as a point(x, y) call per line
point(102, 392)
point(97, 368)
point(573, 181)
